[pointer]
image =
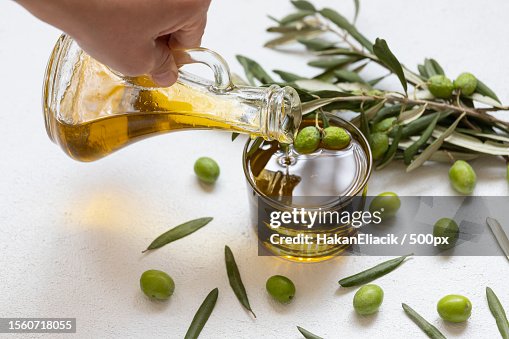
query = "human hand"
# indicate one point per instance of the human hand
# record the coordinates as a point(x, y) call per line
point(133, 37)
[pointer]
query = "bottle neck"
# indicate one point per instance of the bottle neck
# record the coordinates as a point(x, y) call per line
point(272, 112)
point(282, 116)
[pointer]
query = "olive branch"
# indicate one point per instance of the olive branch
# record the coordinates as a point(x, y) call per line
point(415, 126)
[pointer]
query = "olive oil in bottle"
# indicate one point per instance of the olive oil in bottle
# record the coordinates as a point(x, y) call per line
point(91, 111)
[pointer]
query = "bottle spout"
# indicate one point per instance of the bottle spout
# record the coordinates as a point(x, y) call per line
point(286, 114)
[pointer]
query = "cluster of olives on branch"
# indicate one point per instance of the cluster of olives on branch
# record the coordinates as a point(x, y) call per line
point(442, 87)
point(310, 138)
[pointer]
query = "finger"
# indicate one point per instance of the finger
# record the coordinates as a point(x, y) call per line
point(165, 71)
point(190, 35)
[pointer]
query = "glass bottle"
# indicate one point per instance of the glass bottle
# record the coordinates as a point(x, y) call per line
point(92, 111)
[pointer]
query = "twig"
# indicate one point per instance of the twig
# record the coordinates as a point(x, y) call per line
point(436, 105)
point(344, 37)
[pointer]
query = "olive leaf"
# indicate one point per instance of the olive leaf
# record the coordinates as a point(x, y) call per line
point(422, 71)
point(352, 86)
point(412, 150)
point(369, 113)
point(273, 19)
point(284, 29)
point(316, 85)
point(303, 5)
point(387, 112)
point(253, 71)
point(202, 315)
point(483, 99)
point(411, 77)
point(472, 143)
point(421, 123)
point(360, 67)
point(254, 146)
point(324, 118)
point(450, 156)
point(294, 17)
point(484, 135)
point(346, 75)
point(407, 117)
point(430, 330)
point(498, 312)
point(287, 76)
point(357, 5)
point(436, 66)
point(327, 76)
point(292, 36)
point(342, 23)
point(345, 51)
point(373, 273)
point(375, 81)
point(238, 80)
point(307, 334)
point(384, 54)
point(502, 127)
point(422, 95)
point(304, 94)
point(313, 105)
point(325, 89)
point(328, 63)
point(431, 68)
point(178, 232)
point(235, 279)
point(435, 145)
point(486, 91)
point(316, 44)
point(364, 127)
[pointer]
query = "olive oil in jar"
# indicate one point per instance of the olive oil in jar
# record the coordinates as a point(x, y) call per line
point(279, 179)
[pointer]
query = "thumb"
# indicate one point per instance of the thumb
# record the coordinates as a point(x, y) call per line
point(165, 71)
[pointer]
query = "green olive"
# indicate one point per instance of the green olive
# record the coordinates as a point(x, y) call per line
point(385, 125)
point(446, 228)
point(440, 86)
point(367, 299)
point(280, 288)
point(207, 170)
point(335, 138)
point(462, 177)
point(379, 145)
point(388, 203)
point(157, 284)
point(454, 308)
point(466, 83)
point(307, 140)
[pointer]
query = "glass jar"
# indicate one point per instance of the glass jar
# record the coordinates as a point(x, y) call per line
point(325, 183)
point(92, 111)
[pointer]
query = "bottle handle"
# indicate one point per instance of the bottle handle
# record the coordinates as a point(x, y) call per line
point(222, 79)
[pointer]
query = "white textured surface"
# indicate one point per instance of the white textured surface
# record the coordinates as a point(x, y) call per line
point(71, 233)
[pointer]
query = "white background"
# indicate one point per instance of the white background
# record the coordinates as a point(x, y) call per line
point(71, 233)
